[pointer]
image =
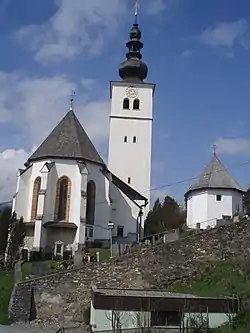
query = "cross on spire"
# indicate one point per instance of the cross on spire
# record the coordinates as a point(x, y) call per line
point(72, 100)
point(214, 149)
point(136, 10)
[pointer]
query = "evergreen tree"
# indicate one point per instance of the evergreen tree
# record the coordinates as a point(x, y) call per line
point(151, 222)
point(5, 217)
point(15, 239)
point(164, 216)
point(246, 202)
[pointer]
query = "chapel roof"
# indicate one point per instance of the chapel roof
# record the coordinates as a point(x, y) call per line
point(68, 140)
point(215, 176)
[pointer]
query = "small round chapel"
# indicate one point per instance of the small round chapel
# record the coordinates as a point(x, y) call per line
point(214, 194)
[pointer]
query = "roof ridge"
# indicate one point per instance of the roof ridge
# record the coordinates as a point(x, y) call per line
point(67, 140)
point(215, 175)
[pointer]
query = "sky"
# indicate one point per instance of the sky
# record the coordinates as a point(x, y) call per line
point(198, 55)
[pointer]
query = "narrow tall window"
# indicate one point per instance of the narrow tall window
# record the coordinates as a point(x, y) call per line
point(136, 104)
point(125, 139)
point(218, 197)
point(90, 211)
point(63, 192)
point(126, 103)
point(129, 180)
point(120, 231)
point(134, 139)
point(36, 189)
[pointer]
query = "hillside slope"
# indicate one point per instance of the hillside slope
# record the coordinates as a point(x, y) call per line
point(225, 278)
point(65, 297)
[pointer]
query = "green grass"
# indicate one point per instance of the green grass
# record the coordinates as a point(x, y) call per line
point(6, 286)
point(51, 266)
point(222, 279)
point(104, 253)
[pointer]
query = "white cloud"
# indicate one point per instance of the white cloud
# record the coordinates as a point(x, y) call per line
point(34, 106)
point(10, 161)
point(186, 54)
point(76, 26)
point(239, 146)
point(154, 7)
point(225, 34)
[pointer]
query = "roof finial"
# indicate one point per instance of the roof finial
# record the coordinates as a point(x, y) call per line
point(214, 149)
point(72, 100)
point(136, 11)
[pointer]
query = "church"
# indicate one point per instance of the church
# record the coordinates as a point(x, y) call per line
point(67, 195)
point(214, 195)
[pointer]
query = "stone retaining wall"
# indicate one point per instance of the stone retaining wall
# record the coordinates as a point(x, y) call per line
point(64, 297)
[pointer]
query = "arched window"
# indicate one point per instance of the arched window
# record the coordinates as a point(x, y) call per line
point(90, 211)
point(136, 104)
point(36, 189)
point(126, 103)
point(62, 205)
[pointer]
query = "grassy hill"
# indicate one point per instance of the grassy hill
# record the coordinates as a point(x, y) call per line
point(6, 285)
point(222, 278)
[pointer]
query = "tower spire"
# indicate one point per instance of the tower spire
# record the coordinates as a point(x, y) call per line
point(136, 11)
point(72, 100)
point(133, 69)
point(214, 150)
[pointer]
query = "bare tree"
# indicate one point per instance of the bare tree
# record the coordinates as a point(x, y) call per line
point(142, 320)
point(117, 319)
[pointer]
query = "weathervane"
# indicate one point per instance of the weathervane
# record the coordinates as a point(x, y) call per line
point(136, 10)
point(214, 149)
point(72, 99)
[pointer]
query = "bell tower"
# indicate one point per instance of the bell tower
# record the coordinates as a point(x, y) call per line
point(130, 131)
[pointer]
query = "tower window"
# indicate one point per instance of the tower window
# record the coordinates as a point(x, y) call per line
point(129, 180)
point(136, 104)
point(134, 139)
point(120, 231)
point(125, 139)
point(126, 103)
point(218, 197)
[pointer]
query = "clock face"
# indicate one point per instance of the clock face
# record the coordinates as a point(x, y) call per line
point(131, 92)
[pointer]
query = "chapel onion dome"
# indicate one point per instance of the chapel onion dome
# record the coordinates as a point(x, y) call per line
point(133, 69)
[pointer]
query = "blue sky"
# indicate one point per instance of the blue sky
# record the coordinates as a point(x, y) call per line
point(198, 55)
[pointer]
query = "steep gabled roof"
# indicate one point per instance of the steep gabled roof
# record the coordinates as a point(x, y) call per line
point(215, 176)
point(68, 140)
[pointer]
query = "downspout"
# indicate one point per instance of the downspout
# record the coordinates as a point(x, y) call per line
point(139, 220)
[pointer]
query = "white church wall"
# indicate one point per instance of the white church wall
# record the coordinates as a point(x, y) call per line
point(216, 209)
point(36, 168)
point(102, 208)
point(205, 207)
point(29, 239)
point(70, 169)
point(134, 163)
point(237, 202)
point(22, 196)
point(50, 197)
point(197, 209)
point(66, 236)
point(124, 213)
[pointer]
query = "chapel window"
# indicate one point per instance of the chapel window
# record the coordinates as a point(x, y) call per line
point(91, 194)
point(63, 192)
point(36, 189)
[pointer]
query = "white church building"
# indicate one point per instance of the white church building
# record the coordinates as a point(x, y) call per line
point(214, 195)
point(67, 194)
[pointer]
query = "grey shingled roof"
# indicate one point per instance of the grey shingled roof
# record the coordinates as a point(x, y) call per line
point(215, 176)
point(67, 140)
